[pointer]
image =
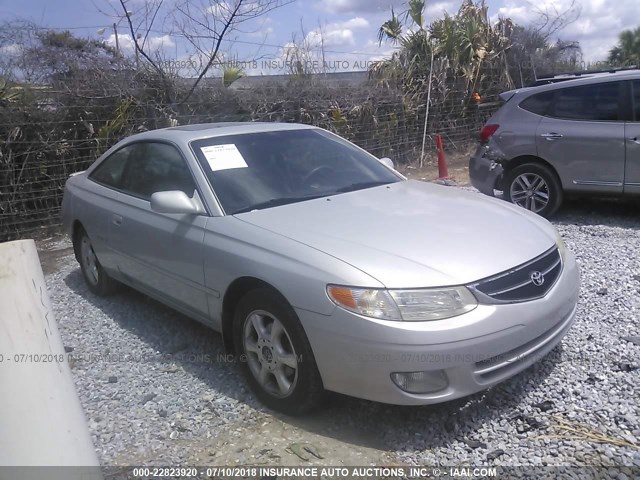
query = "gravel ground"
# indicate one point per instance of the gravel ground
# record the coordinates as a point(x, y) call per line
point(175, 400)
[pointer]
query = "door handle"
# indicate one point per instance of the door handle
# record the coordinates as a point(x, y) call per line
point(551, 136)
point(635, 140)
point(116, 220)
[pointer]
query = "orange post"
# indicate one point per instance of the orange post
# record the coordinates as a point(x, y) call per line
point(443, 172)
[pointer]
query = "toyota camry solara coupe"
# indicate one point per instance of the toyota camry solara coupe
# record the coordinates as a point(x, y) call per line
point(323, 268)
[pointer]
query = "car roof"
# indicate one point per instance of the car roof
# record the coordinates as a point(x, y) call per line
point(188, 133)
point(588, 79)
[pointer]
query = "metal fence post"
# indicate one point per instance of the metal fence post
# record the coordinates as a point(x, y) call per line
point(426, 116)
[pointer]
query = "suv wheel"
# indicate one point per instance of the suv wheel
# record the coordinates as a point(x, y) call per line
point(535, 187)
point(275, 355)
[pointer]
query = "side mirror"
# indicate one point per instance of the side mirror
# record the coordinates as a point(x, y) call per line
point(175, 202)
point(388, 162)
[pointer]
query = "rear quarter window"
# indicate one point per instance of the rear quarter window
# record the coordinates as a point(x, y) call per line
point(111, 170)
point(538, 103)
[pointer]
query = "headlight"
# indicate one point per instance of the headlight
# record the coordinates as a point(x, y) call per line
point(433, 304)
point(368, 302)
point(408, 305)
point(562, 248)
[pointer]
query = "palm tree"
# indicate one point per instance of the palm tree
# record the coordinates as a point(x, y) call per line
point(231, 74)
point(627, 52)
point(410, 63)
point(467, 42)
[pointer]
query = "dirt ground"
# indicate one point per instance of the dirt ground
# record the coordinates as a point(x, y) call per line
point(457, 163)
point(320, 439)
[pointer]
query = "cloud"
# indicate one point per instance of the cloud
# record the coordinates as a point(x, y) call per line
point(338, 34)
point(329, 61)
point(381, 9)
point(331, 38)
point(219, 10)
point(597, 28)
point(224, 10)
point(157, 43)
point(357, 22)
point(125, 42)
point(359, 6)
point(437, 9)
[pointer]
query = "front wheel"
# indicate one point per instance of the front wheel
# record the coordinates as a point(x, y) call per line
point(276, 358)
point(535, 187)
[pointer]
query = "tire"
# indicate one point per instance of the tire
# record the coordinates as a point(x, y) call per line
point(98, 281)
point(294, 386)
point(535, 187)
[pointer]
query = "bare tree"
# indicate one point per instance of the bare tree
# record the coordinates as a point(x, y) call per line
point(16, 38)
point(204, 24)
point(552, 19)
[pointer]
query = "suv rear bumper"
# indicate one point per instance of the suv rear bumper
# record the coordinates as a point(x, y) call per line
point(483, 172)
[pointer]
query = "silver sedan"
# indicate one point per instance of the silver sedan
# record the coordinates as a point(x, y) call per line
point(323, 268)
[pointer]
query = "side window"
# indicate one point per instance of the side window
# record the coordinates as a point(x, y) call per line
point(111, 170)
point(636, 99)
point(157, 167)
point(598, 102)
point(539, 103)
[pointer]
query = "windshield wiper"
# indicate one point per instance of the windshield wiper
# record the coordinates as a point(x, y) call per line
point(276, 202)
point(362, 186)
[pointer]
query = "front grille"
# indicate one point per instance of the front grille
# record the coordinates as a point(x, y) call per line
point(529, 281)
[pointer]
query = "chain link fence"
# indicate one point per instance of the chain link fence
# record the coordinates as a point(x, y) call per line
point(48, 133)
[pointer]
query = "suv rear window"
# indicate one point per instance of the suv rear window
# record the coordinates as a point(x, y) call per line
point(599, 102)
point(539, 103)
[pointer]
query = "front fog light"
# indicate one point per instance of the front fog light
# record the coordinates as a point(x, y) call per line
point(421, 382)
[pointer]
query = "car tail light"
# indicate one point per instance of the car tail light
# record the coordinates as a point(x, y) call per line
point(487, 132)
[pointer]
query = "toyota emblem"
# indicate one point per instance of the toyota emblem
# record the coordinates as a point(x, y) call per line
point(537, 278)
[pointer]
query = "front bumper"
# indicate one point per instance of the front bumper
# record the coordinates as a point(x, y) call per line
point(356, 355)
point(484, 172)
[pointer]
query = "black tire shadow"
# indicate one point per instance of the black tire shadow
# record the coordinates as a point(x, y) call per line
point(606, 211)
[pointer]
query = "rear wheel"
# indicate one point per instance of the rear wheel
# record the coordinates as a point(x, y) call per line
point(98, 281)
point(276, 358)
point(535, 187)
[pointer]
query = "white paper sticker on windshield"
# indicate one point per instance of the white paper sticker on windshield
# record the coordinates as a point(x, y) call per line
point(223, 157)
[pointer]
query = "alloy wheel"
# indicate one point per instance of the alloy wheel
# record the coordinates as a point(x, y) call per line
point(530, 191)
point(270, 353)
point(89, 261)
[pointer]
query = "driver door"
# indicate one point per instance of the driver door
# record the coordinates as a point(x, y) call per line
point(161, 253)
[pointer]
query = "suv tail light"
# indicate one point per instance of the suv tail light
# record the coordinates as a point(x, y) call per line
point(487, 132)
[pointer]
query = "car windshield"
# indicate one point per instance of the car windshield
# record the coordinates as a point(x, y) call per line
point(267, 169)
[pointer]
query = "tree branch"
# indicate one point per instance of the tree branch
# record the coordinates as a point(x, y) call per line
point(216, 49)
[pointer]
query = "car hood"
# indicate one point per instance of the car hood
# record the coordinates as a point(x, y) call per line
point(413, 234)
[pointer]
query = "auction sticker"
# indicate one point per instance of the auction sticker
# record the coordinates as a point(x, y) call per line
point(223, 157)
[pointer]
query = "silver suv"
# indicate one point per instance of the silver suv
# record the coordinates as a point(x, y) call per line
point(578, 136)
